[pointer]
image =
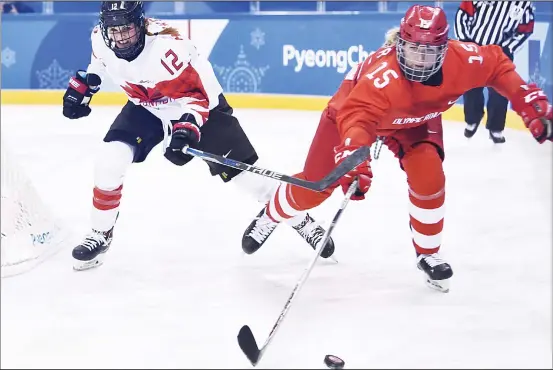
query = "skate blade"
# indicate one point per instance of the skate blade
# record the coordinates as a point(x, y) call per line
point(87, 265)
point(439, 285)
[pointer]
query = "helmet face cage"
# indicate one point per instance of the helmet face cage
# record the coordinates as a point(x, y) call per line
point(123, 28)
point(422, 42)
point(419, 61)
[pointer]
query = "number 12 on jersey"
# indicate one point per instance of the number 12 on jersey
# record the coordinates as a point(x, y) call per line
point(174, 62)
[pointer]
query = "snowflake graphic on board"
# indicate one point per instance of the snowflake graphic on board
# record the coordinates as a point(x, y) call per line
point(8, 57)
point(242, 77)
point(257, 38)
point(54, 77)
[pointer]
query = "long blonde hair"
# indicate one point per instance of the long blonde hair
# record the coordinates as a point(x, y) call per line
point(391, 36)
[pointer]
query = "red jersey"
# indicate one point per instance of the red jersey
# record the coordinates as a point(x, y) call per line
point(377, 100)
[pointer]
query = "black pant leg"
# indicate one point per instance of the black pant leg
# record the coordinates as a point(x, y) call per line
point(223, 135)
point(497, 106)
point(497, 111)
point(473, 105)
point(139, 128)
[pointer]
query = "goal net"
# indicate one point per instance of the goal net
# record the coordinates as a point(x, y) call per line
point(30, 233)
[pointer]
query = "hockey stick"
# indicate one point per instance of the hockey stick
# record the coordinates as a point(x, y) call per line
point(343, 168)
point(246, 339)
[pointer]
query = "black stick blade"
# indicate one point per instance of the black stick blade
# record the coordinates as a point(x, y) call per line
point(247, 343)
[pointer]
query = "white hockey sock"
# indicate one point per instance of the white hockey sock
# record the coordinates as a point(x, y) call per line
point(112, 162)
point(260, 187)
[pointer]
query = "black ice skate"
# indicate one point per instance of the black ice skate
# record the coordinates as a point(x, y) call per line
point(497, 137)
point(313, 233)
point(262, 226)
point(257, 232)
point(91, 251)
point(437, 271)
point(470, 130)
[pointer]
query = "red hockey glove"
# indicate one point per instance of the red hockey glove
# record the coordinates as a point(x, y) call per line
point(536, 112)
point(362, 172)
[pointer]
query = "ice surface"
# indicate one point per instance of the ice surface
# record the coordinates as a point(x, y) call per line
point(176, 288)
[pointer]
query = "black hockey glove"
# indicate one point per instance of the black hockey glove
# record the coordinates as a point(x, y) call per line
point(77, 96)
point(185, 133)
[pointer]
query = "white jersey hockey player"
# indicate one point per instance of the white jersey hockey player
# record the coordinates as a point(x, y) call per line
point(174, 98)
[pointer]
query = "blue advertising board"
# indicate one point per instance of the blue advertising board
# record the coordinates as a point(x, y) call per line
point(272, 54)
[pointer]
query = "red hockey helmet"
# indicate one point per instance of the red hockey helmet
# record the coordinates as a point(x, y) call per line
point(422, 42)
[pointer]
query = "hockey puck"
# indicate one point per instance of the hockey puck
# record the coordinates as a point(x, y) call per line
point(334, 362)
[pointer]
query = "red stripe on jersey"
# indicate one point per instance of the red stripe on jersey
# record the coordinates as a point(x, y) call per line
point(187, 85)
point(143, 94)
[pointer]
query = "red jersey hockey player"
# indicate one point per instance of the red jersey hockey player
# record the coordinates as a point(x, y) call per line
point(171, 90)
point(400, 93)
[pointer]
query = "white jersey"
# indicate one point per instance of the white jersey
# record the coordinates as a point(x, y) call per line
point(169, 78)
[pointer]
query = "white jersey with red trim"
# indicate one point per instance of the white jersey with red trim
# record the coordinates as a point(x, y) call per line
point(169, 77)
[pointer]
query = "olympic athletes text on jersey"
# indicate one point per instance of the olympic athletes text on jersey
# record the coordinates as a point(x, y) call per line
point(376, 101)
point(169, 77)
